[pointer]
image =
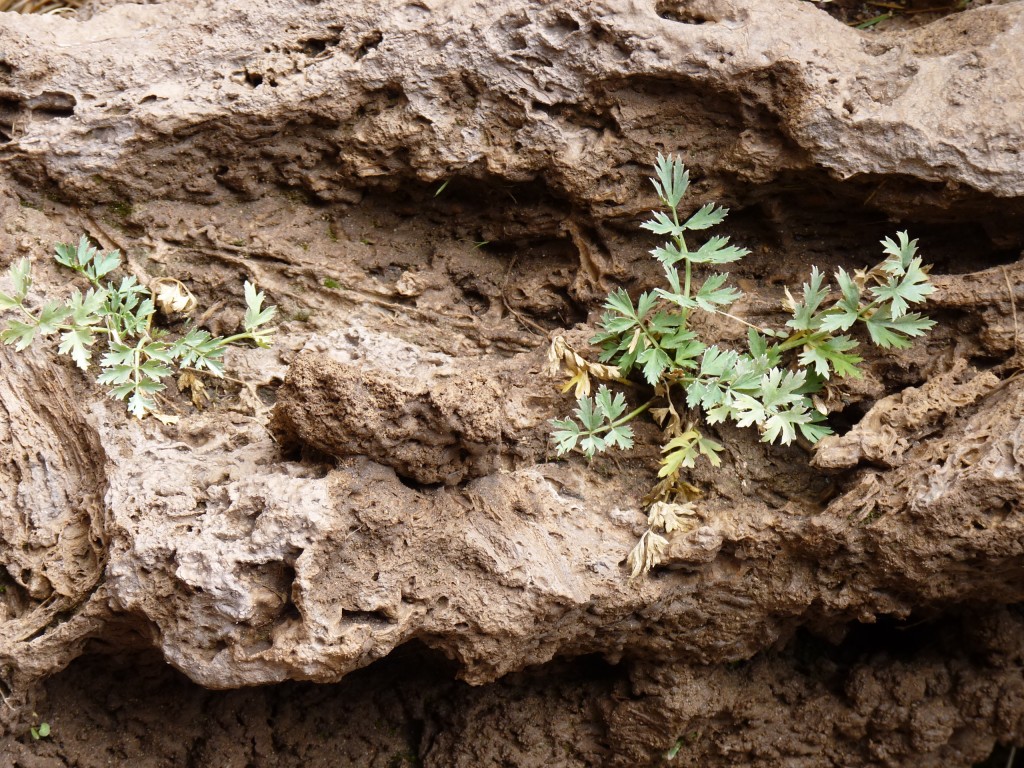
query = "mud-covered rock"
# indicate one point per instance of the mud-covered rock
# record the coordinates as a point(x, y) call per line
point(372, 395)
point(334, 96)
point(888, 432)
point(429, 192)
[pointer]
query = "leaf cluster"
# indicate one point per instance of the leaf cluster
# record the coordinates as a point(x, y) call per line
point(599, 425)
point(771, 384)
point(118, 317)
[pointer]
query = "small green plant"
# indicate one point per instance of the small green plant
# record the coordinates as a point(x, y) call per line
point(40, 731)
point(136, 354)
point(772, 385)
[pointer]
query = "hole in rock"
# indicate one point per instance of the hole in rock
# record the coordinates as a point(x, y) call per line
point(679, 11)
point(812, 218)
point(1004, 756)
point(9, 108)
point(314, 46)
point(369, 43)
point(416, 485)
point(53, 104)
point(845, 420)
point(564, 25)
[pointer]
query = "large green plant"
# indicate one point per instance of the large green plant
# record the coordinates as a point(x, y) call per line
point(770, 385)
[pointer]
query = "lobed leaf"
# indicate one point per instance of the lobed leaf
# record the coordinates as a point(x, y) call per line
point(140, 404)
point(86, 309)
point(154, 370)
point(675, 296)
point(887, 331)
point(815, 428)
point(609, 406)
point(76, 342)
point(780, 388)
point(592, 443)
point(21, 276)
point(566, 433)
point(782, 425)
point(683, 451)
point(813, 294)
point(672, 180)
point(19, 334)
point(717, 251)
point(117, 374)
point(708, 216)
point(66, 255)
point(158, 350)
point(8, 302)
point(588, 414)
point(84, 252)
point(620, 437)
point(118, 354)
point(900, 256)
point(103, 264)
point(765, 356)
point(255, 316)
point(619, 301)
point(830, 354)
point(655, 362)
point(661, 224)
point(901, 290)
point(51, 316)
point(669, 254)
point(845, 312)
point(712, 294)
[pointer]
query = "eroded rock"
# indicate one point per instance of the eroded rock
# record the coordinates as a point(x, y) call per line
point(370, 394)
point(310, 148)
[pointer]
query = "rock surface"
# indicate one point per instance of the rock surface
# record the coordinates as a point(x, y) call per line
point(430, 191)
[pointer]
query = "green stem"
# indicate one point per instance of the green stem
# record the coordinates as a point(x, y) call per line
point(29, 315)
point(804, 337)
point(631, 415)
point(625, 419)
point(93, 281)
point(137, 354)
point(236, 338)
point(681, 245)
point(799, 339)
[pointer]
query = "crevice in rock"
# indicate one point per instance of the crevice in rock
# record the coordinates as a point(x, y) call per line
point(368, 44)
point(952, 685)
point(683, 12)
point(53, 104)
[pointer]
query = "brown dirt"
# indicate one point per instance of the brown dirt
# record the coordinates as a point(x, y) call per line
point(361, 552)
point(894, 694)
